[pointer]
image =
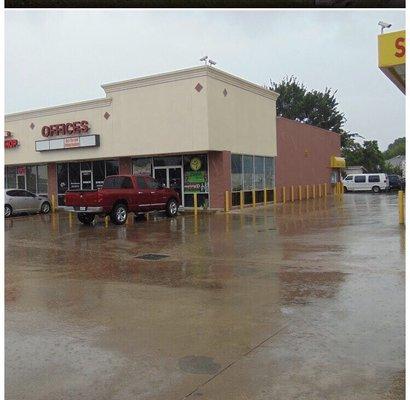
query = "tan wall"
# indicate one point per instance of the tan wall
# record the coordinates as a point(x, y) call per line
point(25, 153)
point(242, 121)
point(161, 114)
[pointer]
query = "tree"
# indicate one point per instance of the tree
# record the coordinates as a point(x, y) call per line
point(397, 148)
point(311, 107)
point(368, 155)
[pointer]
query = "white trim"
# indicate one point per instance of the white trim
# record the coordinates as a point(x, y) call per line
point(190, 73)
point(72, 107)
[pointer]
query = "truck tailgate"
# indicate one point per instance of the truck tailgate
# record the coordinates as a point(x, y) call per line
point(81, 198)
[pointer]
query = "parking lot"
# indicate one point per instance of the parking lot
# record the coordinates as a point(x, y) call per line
point(294, 301)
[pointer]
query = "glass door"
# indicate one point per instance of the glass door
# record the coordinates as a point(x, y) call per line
point(171, 177)
point(175, 180)
point(86, 180)
point(21, 181)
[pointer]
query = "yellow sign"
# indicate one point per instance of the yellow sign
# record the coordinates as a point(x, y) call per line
point(195, 164)
point(337, 162)
point(392, 49)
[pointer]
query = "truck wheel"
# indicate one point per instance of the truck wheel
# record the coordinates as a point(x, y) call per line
point(172, 208)
point(119, 214)
point(376, 189)
point(345, 189)
point(86, 218)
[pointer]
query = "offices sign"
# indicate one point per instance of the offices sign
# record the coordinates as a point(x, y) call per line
point(69, 128)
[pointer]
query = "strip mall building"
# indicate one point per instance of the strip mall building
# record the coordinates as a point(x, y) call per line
point(199, 130)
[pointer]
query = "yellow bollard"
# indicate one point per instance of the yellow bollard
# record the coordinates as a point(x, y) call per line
point(241, 199)
point(106, 219)
point(320, 190)
point(335, 190)
point(265, 197)
point(300, 192)
point(307, 192)
point(195, 203)
point(275, 199)
point(227, 201)
point(53, 203)
point(70, 219)
point(292, 194)
point(253, 198)
point(284, 195)
point(401, 207)
point(314, 191)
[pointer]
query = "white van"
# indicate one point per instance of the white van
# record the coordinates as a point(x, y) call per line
point(374, 182)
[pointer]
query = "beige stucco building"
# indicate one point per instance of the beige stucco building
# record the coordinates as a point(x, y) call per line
point(182, 127)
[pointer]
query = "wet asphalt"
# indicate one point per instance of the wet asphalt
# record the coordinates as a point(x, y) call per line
point(294, 301)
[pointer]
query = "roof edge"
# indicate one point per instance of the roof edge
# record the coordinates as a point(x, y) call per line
point(65, 108)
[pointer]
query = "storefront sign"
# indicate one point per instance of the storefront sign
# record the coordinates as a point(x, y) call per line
point(71, 142)
point(68, 143)
point(195, 164)
point(69, 128)
point(195, 181)
point(392, 49)
point(9, 142)
point(21, 170)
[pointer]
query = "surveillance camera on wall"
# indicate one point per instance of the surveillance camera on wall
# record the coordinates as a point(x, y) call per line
point(212, 62)
point(203, 58)
point(384, 24)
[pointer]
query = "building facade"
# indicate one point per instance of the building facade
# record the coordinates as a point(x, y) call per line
point(198, 130)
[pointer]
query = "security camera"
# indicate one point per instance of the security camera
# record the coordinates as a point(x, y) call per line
point(203, 58)
point(212, 62)
point(384, 25)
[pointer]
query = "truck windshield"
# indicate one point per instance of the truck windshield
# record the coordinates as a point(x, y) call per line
point(117, 182)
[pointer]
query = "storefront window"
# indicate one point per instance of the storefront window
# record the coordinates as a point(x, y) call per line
point(142, 166)
point(112, 167)
point(98, 174)
point(167, 161)
point(11, 181)
point(31, 177)
point(247, 172)
point(42, 179)
point(236, 172)
point(269, 172)
point(259, 173)
point(62, 177)
point(86, 166)
point(196, 173)
point(74, 176)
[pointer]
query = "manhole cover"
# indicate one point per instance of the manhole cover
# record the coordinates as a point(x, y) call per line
point(199, 365)
point(152, 257)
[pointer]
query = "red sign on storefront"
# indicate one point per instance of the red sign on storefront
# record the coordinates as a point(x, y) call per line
point(21, 170)
point(9, 142)
point(71, 142)
point(69, 128)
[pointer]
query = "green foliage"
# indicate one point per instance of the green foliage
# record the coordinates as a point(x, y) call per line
point(311, 107)
point(368, 155)
point(397, 148)
point(393, 170)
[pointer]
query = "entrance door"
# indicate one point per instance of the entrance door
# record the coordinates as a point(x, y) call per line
point(171, 177)
point(86, 180)
point(21, 181)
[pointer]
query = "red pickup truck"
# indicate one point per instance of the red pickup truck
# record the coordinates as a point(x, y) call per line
point(120, 195)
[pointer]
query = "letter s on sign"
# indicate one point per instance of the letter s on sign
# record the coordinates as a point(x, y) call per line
point(400, 47)
point(84, 126)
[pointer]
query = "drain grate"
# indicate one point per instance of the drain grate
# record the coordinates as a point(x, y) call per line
point(152, 257)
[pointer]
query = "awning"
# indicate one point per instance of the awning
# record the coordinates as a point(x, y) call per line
point(392, 57)
point(337, 162)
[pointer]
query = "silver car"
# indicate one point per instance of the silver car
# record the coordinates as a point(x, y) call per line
point(19, 200)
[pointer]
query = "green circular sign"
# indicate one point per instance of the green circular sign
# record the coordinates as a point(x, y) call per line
point(195, 164)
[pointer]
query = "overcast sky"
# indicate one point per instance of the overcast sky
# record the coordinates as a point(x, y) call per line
point(59, 56)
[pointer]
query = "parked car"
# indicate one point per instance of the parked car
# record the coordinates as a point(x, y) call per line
point(395, 182)
point(120, 195)
point(19, 201)
point(362, 182)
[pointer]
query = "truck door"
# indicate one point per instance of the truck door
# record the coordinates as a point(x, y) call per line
point(143, 200)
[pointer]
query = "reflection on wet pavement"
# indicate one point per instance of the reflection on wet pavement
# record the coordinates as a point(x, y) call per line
point(297, 301)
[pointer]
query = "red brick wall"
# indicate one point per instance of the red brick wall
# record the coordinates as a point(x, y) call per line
point(219, 177)
point(304, 153)
point(125, 165)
